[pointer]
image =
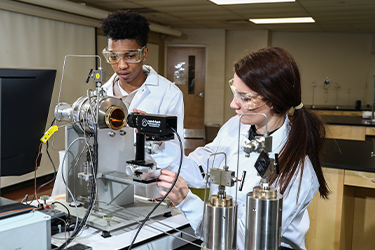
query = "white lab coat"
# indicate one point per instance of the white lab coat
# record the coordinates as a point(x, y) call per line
point(157, 95)
point(295, 219)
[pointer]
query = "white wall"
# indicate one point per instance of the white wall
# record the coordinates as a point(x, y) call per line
point(28, 41)
point(345, 58)
point(238, 44)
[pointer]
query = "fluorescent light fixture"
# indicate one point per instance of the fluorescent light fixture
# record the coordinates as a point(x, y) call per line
point(283, 20)
point(222, 2)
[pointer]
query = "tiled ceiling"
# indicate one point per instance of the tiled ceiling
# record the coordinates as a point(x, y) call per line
point(329, 15)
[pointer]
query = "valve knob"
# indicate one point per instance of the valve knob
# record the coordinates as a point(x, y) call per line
point(88, 77)
point(242, 180)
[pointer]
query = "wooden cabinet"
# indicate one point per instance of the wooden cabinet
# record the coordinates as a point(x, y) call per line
point(370, 131)
point(325, 215)
point(359, 179)
point(345, 221)
point(338, 112)
point(346, 132)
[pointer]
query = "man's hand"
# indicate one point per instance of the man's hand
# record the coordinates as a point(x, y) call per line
point(139, 111)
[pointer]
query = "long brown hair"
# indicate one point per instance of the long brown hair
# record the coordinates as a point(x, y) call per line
point(273, 73)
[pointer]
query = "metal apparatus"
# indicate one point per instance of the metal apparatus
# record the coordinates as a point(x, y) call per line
point(150, 128)
point(220, 212)
point(97, 119)
point(264, 204)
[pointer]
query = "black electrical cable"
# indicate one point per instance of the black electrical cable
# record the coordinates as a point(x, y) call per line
point(54, 168)
point(63, 206)
point(92, 197)
point(170, 189)
point(68, 227)
point(54, 174)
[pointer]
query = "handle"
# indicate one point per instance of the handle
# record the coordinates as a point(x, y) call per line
point(88, 77)
point(242, 180)
point(200, 94)
point(277, 164)
point(202, 171)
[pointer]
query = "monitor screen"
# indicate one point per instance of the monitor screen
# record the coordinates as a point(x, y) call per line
point(25, 97)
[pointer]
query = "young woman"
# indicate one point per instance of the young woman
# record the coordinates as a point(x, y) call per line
point(266, 81)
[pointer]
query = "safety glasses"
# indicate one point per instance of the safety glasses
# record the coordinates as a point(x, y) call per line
point(130, 56)
point(249, 101)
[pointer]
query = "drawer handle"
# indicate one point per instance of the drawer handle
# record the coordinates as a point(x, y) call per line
point(372, 180)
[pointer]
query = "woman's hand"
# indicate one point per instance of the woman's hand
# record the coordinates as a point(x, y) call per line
point(180, 189)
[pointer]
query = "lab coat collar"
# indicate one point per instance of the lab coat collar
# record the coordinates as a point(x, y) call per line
point(152, 76)
point(280, 136)
point(143, 91)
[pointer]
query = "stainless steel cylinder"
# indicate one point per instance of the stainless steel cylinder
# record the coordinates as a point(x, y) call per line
point(263, 219)
point(111, 110)
point(220, 223)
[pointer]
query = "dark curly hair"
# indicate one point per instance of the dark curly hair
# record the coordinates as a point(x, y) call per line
point(126, 24)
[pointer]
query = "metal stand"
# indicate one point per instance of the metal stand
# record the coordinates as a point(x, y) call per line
point(313, 86)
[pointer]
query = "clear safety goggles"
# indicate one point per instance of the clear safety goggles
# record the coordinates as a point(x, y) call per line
point(247, 100)
point(130, 56)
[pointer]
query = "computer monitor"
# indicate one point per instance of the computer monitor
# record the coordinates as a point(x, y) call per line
point(25, 97)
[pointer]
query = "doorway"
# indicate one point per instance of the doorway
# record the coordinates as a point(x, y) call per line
point(186, 66)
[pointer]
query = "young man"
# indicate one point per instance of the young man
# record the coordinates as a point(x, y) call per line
point(140, 87)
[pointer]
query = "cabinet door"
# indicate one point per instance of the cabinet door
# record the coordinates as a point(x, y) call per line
point(325, 215)
point(362, 183)
point(346, 132)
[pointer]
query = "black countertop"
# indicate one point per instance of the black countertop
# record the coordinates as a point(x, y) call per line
point(339, 108)
point(348, 120)
point(348, 154)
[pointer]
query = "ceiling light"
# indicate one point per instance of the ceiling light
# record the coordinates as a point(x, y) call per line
point(221, 2)
point(283, 20)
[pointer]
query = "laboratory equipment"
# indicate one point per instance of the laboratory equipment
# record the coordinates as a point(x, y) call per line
point(27, 230)
point(264, 204)
point(313, 91)
point(98, 147)
point(220, 212)
point(337, 86)
point(153, 128)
